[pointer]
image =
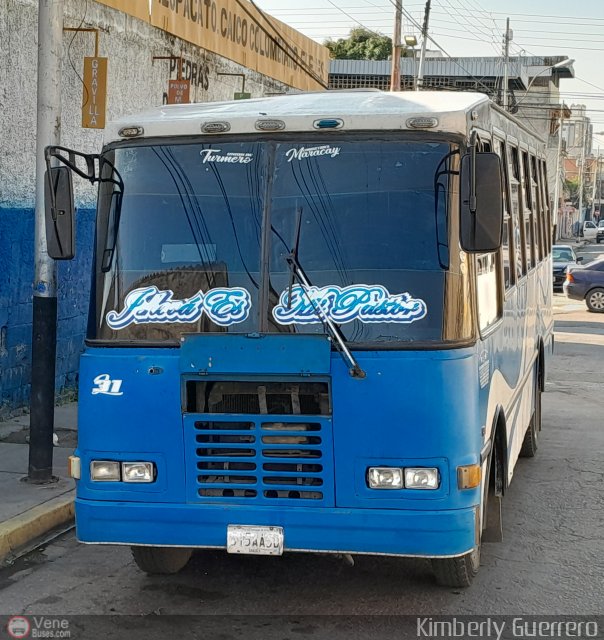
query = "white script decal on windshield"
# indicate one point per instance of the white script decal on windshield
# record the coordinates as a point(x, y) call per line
point(150, 305)
point(231, 157)
point(367, 303)
point(302, 153)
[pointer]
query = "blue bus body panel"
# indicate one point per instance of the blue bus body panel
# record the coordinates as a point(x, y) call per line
point(409, 533)
point(276, 354)
point(414, 408)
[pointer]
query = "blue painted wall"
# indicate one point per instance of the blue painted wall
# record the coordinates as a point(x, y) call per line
point(16, 277)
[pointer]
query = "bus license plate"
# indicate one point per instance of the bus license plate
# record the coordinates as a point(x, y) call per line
point(263, 541)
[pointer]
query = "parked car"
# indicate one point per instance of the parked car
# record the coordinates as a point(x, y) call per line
point(587, 283)
point(588, 230)
point(563, 255)
point(600, 232)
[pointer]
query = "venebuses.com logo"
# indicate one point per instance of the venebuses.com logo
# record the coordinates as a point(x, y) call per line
point(18, 627)
point(37, 627)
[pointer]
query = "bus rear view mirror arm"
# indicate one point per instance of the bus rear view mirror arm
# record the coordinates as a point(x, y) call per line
point(58, 194)
point(481, 189)
point(58, 197)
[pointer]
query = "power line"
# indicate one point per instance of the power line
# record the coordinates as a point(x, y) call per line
point(291, 54)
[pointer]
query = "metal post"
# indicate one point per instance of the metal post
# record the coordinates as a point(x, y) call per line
point(395, 76)
point(506, 61)
point(44, 331)
point(593, 190)
point(422, 55)
point(581, 169)
point(557, 174)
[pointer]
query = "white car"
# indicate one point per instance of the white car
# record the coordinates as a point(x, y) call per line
point(588, 230)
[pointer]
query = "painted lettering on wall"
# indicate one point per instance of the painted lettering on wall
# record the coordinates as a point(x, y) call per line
point(242, 33)
point(197, 73)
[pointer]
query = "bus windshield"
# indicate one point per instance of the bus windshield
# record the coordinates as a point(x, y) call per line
point(367, 219)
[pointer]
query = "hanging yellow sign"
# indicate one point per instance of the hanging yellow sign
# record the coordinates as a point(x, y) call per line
point(94, 99)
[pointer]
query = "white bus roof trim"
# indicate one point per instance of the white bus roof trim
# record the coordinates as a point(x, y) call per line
point(360, 110)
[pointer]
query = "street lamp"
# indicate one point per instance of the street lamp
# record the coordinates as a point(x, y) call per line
point(559, 65)
point(411, 43)
point(557, 174)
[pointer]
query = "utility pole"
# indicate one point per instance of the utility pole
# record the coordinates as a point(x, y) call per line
point(581, 169)
point(395, 76)
point(422, 55)
point(44, 330)
point(506, 61)
point(557, 174)
point(595, 184)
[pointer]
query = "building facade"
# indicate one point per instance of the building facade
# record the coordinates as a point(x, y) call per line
point(533, 91)
point(245, 51)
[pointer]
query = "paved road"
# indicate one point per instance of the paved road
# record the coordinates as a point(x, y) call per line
point(551, 561)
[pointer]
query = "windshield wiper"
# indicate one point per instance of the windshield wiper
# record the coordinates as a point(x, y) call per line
point(334, 331)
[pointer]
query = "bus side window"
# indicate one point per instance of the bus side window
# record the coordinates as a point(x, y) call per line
point(537, 208)
point(517, 235)
point(508, 229)
point(529, 229)
point(547, 211)
point(488, 287)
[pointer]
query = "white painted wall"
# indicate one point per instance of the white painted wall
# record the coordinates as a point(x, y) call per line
point(135, 81)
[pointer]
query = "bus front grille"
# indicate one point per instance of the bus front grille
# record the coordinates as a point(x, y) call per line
point(260, 459)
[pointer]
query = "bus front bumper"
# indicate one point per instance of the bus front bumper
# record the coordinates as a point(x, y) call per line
point(364, 531)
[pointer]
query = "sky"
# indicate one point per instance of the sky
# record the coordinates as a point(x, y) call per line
point(476, 28)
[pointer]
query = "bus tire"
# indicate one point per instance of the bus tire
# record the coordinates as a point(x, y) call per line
point(161, 560)
point(595, 300)
point(530, 443)
point(459, 571)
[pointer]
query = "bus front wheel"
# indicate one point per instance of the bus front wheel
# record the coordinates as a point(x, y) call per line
point(457, 572)
point(161, 560)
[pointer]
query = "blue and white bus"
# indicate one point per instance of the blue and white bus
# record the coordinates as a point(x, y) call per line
point(318, 323)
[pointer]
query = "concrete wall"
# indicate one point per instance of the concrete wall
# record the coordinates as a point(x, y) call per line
point(135, 82)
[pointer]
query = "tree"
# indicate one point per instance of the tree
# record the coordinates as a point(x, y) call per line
point(572, 187)
point(361, 44)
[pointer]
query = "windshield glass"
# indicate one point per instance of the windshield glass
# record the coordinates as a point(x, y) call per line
point(370, 218)
point(562, 255)
point(187, 254)
point(372, 238)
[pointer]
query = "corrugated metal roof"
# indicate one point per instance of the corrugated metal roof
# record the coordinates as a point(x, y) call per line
point(520, 68)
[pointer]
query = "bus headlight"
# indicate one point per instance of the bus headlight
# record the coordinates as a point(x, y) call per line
point(385, 478)
point(105, 471)
point(407, 478)
point(421, 478)
point(137, 471)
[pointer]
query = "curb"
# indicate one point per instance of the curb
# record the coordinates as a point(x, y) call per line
point(34, 523)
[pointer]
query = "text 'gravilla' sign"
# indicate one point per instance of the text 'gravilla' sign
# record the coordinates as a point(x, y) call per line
point(94, 99)
point(240, 32)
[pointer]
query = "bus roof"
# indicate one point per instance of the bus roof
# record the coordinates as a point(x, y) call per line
point(358, 109)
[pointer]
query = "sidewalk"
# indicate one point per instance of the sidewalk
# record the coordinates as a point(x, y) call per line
point(29, 511)
point(574, 241)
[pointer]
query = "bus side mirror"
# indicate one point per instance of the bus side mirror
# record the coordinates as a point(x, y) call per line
point(481, 217)
point(59, 209)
